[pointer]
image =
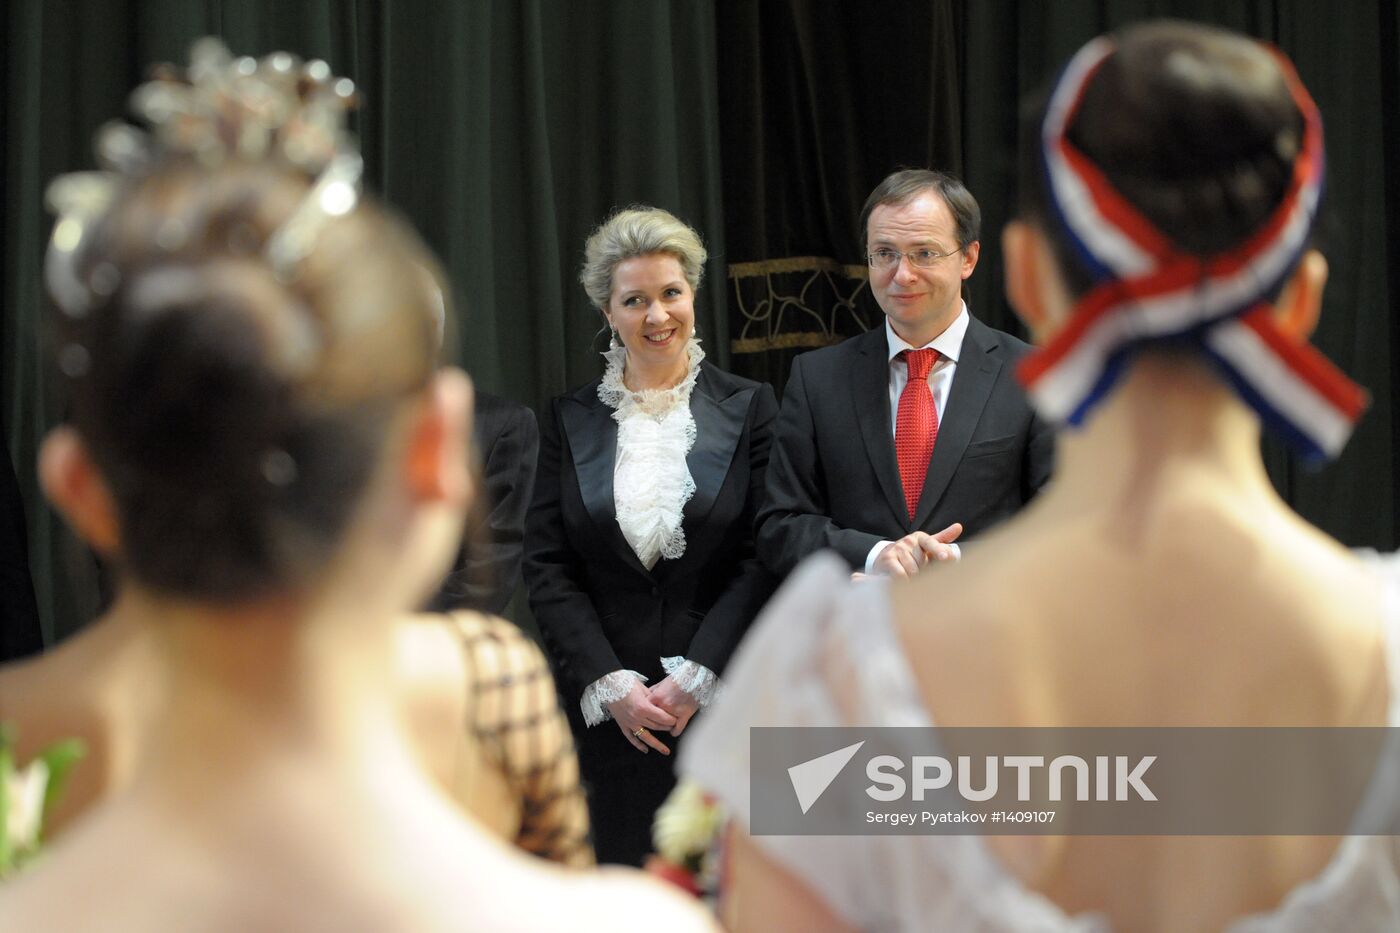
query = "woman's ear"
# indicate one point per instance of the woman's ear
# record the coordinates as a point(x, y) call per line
point(1034, 285)
point(439, 442)
point(1022, 275)
point(72, 483)
point(1300, 303)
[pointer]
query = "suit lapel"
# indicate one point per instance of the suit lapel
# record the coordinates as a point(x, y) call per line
point(871, 396)
point(972, 385)
point(719, 423)
point(718, 426)
point(592, 437)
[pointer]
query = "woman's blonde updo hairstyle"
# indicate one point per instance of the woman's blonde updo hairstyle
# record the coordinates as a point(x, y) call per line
point(638, 231)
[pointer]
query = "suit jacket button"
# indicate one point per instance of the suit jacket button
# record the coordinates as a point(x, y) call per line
point(655, 592)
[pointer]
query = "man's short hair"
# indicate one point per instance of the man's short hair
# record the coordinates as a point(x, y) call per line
point(903, 186)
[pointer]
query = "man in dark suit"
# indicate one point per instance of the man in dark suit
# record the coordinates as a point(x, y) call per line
point(487, 569)
point(886, 443)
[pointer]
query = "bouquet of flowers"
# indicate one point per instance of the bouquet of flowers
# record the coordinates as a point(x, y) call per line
point(27, 795)
point(687, 834)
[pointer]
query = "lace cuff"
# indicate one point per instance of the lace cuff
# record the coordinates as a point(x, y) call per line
point(607, 689)
point(694, 678)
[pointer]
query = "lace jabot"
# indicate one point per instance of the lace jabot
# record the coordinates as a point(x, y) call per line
point(651, 480)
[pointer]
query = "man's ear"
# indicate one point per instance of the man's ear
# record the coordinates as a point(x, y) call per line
point(1300, 303)
point(439, 441)
point(75, 487)
point(970, 254)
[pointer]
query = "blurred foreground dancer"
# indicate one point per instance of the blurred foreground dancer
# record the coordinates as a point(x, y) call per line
point(263, 443)
point(639, 550)
point(479, 697)
point(1162, 263)
point(477, 692)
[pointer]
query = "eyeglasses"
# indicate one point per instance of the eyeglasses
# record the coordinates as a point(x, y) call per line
point(922, 258)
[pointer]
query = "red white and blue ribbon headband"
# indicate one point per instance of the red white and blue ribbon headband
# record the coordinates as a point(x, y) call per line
point(1147, 291)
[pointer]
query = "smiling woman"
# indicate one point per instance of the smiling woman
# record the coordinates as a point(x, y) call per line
point(652, 312)
point(639, 544)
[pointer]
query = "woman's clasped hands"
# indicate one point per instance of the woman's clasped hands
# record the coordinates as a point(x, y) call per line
point(646, 710)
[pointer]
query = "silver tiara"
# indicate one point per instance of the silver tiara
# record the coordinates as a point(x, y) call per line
point(222, 108)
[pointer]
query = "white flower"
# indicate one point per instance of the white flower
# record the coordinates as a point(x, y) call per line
point(686, 824)
point(24, 792)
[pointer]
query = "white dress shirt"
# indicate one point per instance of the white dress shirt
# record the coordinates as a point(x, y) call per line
point(940, 381)
point(940, 377)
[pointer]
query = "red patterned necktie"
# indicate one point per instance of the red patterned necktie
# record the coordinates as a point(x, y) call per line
point(916, 427)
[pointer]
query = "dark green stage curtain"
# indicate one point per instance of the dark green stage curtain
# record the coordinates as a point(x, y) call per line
point(1389, 171)
point(511, 129)
point(20, 633)
point(820, 102)
point(502, 130)
point(823, 100)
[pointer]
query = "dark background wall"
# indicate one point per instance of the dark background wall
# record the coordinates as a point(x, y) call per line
point(505, 130)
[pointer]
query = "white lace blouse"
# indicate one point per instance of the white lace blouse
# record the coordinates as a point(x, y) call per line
point(651, 485)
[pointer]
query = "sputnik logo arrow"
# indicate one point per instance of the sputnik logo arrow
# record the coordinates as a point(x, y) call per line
point(811, 778)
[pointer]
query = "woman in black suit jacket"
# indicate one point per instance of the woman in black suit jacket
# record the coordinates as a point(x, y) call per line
point(639, 542)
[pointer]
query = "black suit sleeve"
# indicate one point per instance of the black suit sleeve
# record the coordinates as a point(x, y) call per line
point(566, 616)
point(509, 466)
point(487, 569)
point(728, 619)
point(1040, 458)
point(794, 521)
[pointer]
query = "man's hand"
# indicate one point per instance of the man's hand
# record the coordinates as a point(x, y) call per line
point(675, 701)
point(908, 555)
point(637, 715)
